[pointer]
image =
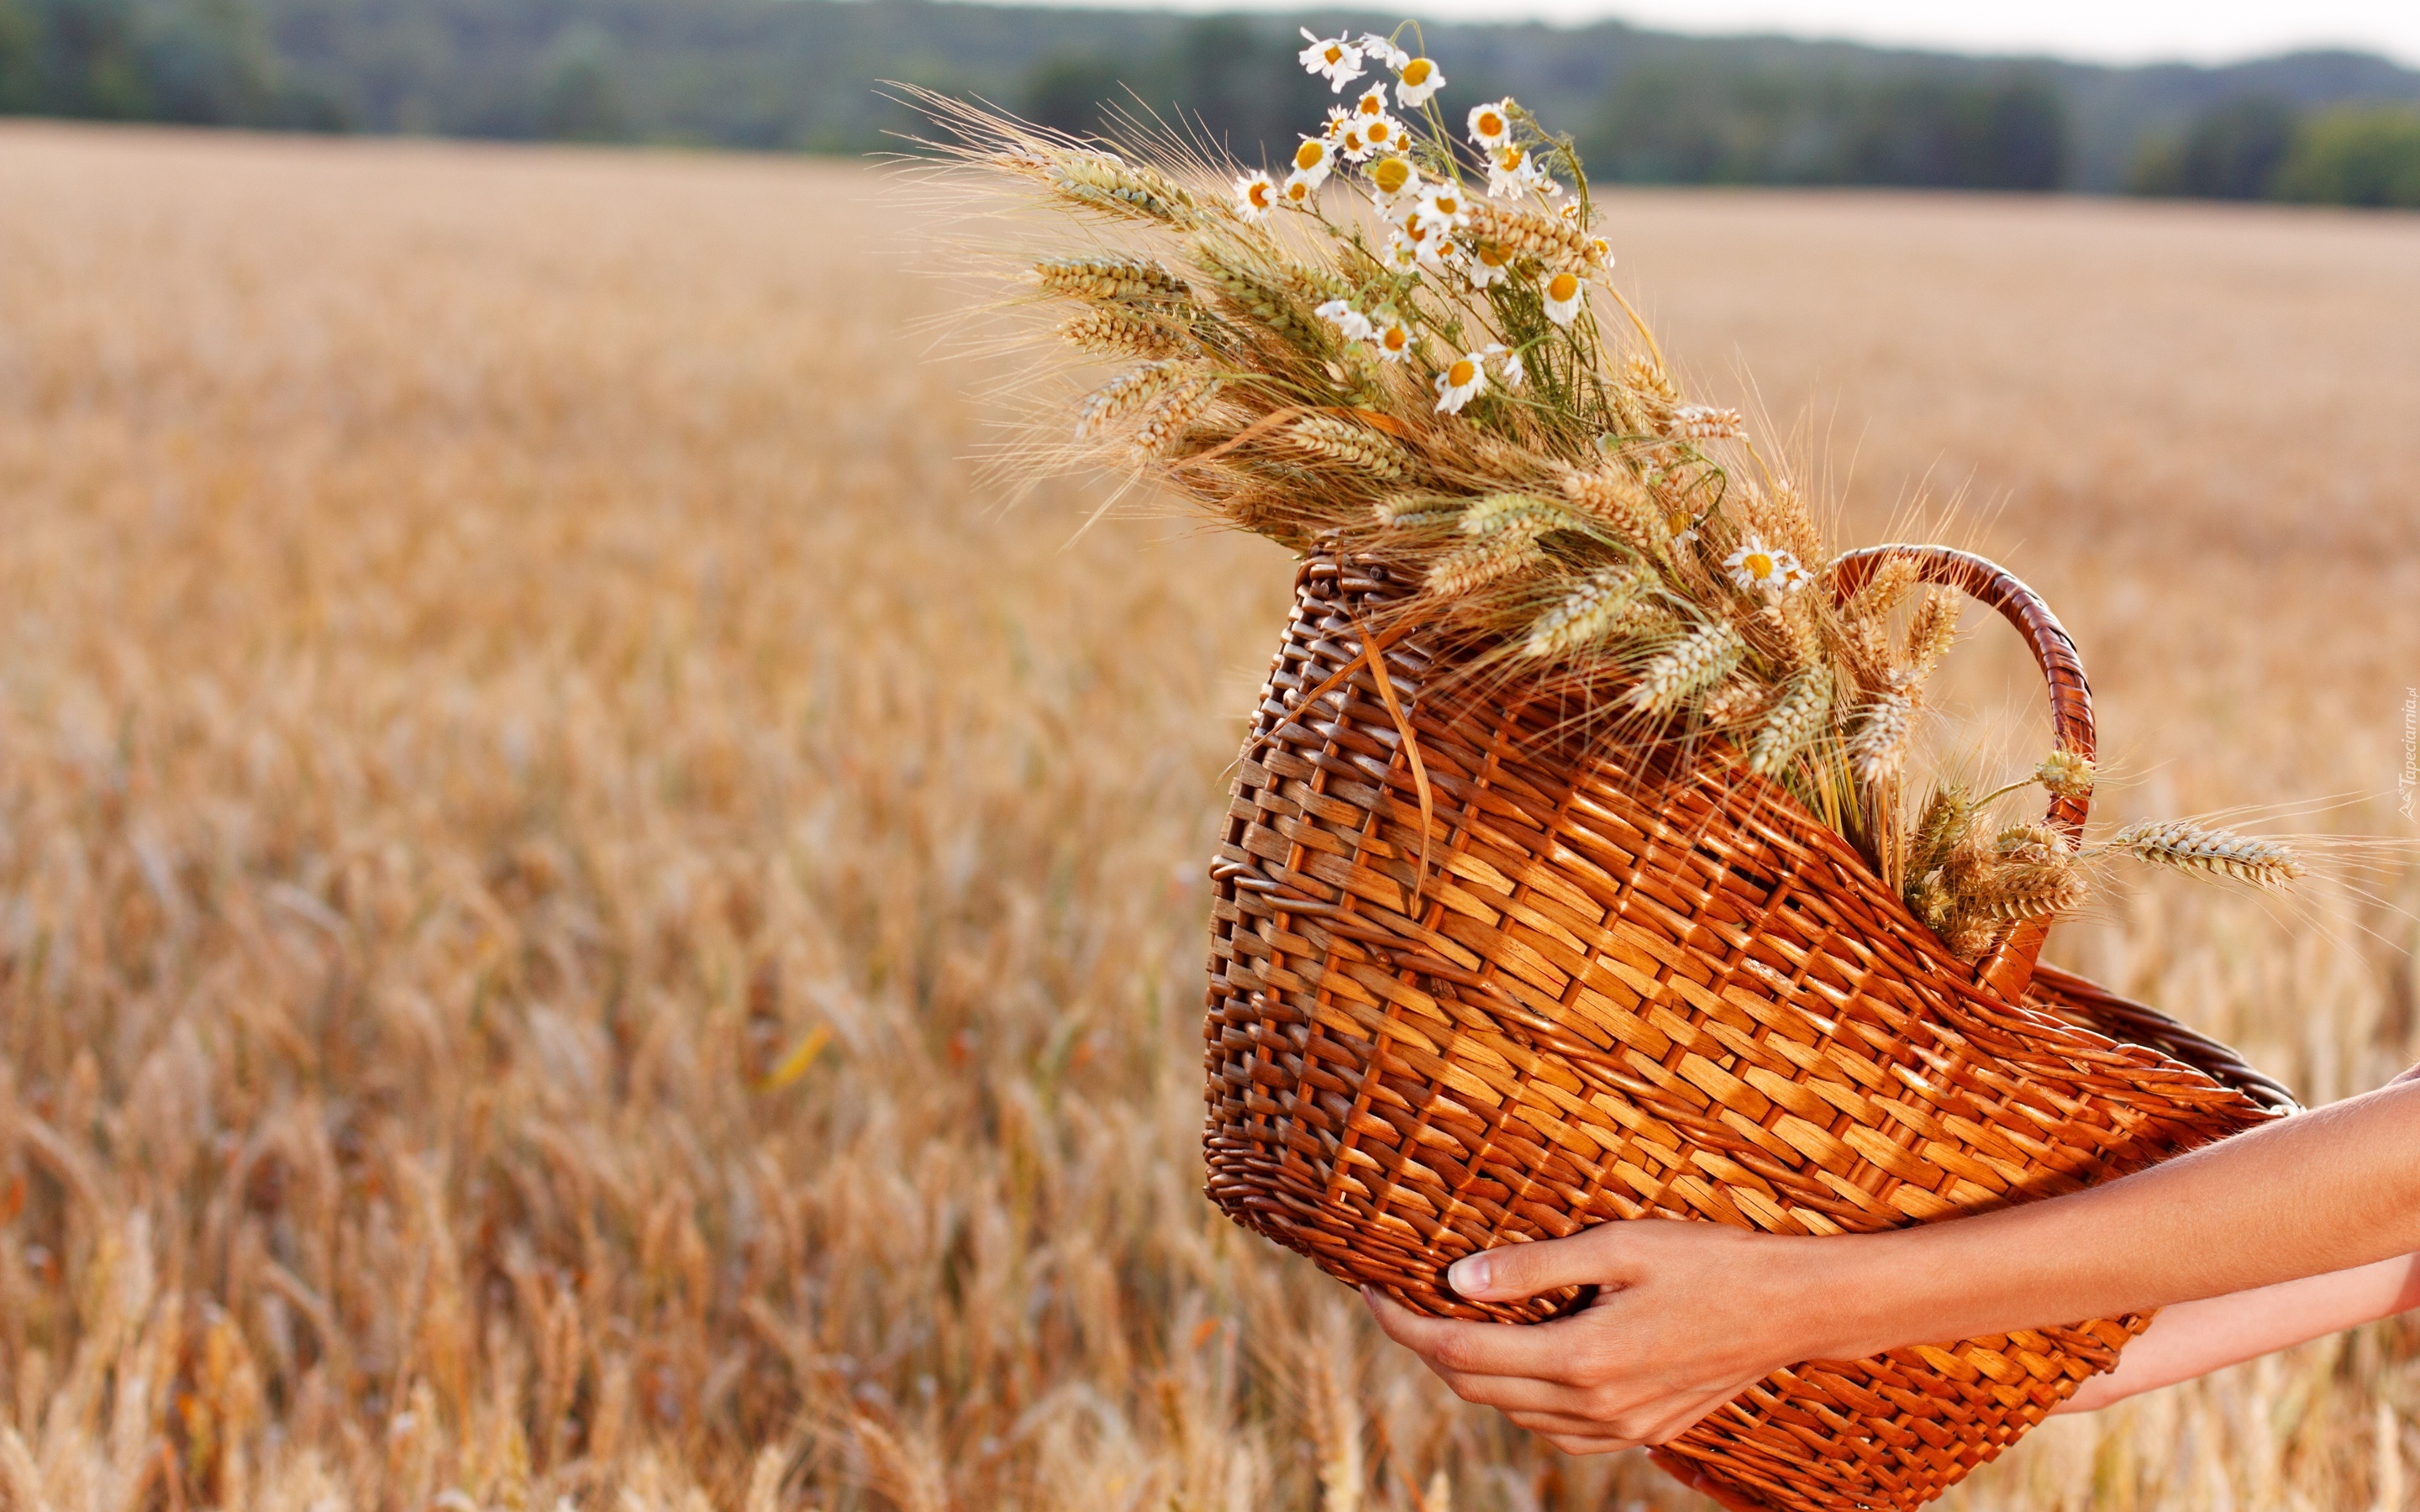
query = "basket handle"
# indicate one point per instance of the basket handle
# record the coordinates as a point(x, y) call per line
point(2009, 968)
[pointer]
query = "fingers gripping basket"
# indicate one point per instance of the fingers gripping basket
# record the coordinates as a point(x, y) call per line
point(1618, 994)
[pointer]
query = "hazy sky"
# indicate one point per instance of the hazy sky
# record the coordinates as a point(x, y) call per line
point(2123, 31)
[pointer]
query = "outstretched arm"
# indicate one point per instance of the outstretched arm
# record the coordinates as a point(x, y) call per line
point(1689, 1314)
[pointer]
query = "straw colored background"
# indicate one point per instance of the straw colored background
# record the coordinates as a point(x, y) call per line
point(582, 917)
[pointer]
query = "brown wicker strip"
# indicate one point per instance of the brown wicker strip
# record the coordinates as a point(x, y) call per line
point(1664, 991)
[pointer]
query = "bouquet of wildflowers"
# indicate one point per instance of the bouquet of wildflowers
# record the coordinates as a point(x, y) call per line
point(1405, 348)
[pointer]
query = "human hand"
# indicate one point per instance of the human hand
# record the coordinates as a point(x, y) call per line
point(1687, 1316)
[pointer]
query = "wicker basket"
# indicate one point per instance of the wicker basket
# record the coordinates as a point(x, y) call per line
point(1670, 993)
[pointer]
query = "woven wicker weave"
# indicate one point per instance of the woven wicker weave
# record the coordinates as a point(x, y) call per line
point(1669, 992)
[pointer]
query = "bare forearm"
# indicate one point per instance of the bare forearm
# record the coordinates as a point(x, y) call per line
point(2323, 1192)
point(2194, 1339)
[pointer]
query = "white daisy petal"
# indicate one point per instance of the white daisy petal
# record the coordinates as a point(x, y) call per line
point(1763, 569)
point(1256, 195)
point(1384, 50)
point(1392, 337)
point(1350, 322)
point(1331, 58)
point(1491, 125)
point(1565, 294)
point(1464, 379)
point(1415, 81)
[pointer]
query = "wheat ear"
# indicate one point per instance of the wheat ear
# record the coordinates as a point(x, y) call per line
point(1123, 396)
point(1604, 602)
point(2190, 847)
point(1333, 439)
point(1111, 280)
point(1795, 722)
point(1700, 659)
point(1880, 743)
point(1110, 332)
point(1621, 504)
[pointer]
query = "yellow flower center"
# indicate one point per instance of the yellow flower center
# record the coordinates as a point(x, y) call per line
point(1309, 155)
point(1391, 175)
point(1491, 124)
point(1461, 373)
point(1416, 71)
point(1510, 159)
point(1562, 288)
point(1677, 521)
point(1758, 565)
point(1297, 190)
point(1379, 133)
point(1259, 193)
point(1395, 338)
point(1335, 54)
point(1370, 104)
point(1492, 256)
point(1448, 206)
point(1415, 232)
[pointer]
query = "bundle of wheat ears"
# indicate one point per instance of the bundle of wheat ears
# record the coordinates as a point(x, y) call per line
point(1406, 349)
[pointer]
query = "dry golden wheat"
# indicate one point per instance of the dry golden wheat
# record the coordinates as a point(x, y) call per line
point(582, 917)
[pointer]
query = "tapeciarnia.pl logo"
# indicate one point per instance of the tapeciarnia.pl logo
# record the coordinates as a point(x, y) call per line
point(2407, 783)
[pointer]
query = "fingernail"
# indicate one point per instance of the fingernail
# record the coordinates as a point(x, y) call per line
point(1467, 1275)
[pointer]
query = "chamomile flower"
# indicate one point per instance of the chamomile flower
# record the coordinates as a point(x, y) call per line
point(1763, 569)
point(1680, 525)
point(1415, 81)
point(1565, 294)
point(1516, 372)
point(1349, 322)
point(1382, 132)
point(1314, 159)
point(1383, 49)
point(1392, 179)
point(1300, 190)
point(1256, 195)
point(1491, 126)
point(1464, 379)
point(1487, 268)
point(1442, 206)
point(1333, 59)
point(1371, 104)
point(1392, 338)
point(1351, 142)
point(1600, 252)
point(1402, 252)
point(1513, 168)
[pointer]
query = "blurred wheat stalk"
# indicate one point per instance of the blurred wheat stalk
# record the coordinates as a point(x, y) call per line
point(578, 924)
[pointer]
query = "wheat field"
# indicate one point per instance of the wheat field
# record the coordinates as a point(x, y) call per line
point(587, 920)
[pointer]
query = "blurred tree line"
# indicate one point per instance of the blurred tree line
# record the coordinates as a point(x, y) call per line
point(806, 75)
point(2259, 146)
point(199, 62)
